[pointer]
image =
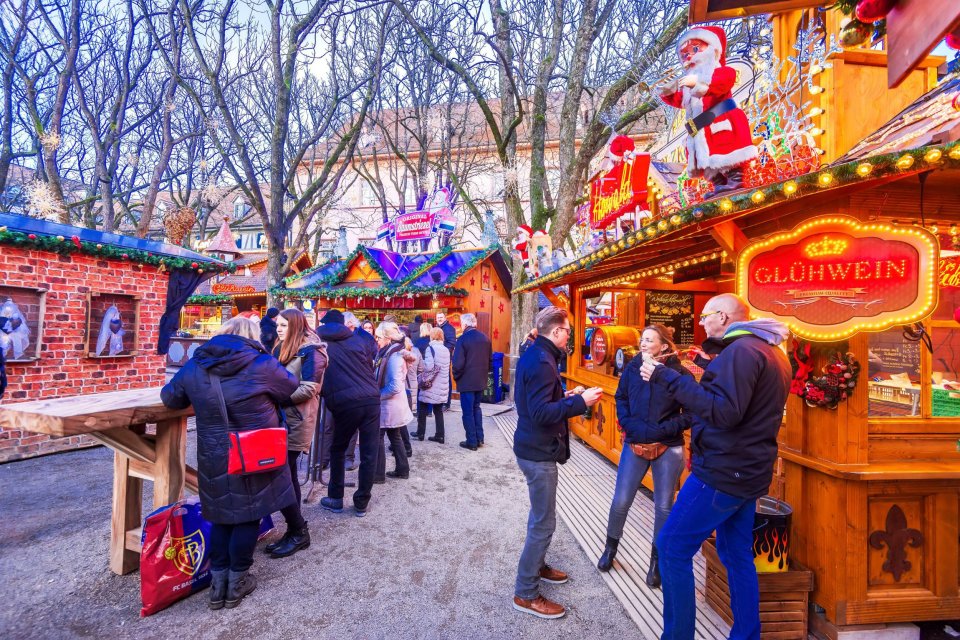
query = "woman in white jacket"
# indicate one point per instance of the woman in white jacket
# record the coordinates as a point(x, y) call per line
point(391, 372)
point(436, 374)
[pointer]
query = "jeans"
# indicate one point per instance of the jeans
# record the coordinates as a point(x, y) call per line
point(347, 421)
point(630, 473)
point(422, 410)
point(698, 511)
point(472, 417)
point(232, 545)
point(542, 486)
point(291, 513)
point(399, 453)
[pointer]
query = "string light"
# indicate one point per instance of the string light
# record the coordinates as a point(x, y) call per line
point(905, 161)
point(816, 111)
point(825, 179)
point(790, 187)
point(933, 155)
point(955, 153)
point(864, 169)
point(816, 131)
point(757, 196)
point(726, 204)
point(816, 89)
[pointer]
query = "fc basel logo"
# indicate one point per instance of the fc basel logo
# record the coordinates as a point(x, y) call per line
point(186, 552)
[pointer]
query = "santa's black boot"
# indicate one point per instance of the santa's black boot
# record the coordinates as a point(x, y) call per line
point(732, 180)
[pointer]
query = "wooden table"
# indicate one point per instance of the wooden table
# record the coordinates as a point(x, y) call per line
point(119, 420)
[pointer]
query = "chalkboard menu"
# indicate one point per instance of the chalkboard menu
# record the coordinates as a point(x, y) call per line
point(891, 353)
point(672, 309)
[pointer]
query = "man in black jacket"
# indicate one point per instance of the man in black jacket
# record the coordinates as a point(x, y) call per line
point(541, 441)
point(450, 342)
point(351, 395)
point(737, 410)
point(471, 365)
point(268, 329)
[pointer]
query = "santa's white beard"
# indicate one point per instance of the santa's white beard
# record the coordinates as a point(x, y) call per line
point(703, 65)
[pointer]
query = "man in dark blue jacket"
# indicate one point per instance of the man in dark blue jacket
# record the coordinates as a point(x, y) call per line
point(352, 396)
point(471, 365)
point(737, 408)
point(268, 329)
point(541, 441)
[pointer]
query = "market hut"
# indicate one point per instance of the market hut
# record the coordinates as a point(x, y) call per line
point(859, 258)
point(217, 300)
point(85, 312)
point(373, 282)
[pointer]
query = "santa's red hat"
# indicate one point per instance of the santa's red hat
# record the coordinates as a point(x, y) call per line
point(620, 145)
point(525, 227)
point(715, 37)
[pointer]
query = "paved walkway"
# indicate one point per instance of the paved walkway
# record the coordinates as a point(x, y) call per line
point(435, 558)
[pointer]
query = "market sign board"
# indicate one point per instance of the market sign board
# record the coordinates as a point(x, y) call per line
point(833, 276)
point(223, 288)
point(414, 226)
point(621, 190)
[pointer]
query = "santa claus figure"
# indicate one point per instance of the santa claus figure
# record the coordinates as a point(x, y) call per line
point(524, 232)
point(719, 143)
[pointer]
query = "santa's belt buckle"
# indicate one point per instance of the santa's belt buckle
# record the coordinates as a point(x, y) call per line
point(692, 127)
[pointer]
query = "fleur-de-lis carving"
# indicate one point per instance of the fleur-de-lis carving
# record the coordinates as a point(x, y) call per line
point(896, 536)
point(600, 418)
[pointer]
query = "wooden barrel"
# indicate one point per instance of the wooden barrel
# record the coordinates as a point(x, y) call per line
point(607, 340)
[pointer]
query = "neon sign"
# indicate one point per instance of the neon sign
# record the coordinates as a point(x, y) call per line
point(832, 277)
point(950, 272)
point(225, 288)
point(620, 190)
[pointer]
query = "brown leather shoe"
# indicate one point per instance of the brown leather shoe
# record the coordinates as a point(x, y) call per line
point(540, 607)
point(553, 576)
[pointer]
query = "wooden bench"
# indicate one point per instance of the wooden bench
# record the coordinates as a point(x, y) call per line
point(119, 420)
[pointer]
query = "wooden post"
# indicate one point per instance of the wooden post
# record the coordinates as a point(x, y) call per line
point(169, 469)
point(127, 508)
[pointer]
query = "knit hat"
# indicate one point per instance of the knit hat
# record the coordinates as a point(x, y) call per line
point(273, 312)
point(333, 316)
point(715, 37)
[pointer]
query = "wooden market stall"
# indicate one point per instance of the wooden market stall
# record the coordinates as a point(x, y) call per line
point(219, 299)
point(871, 242)
point(373, 283)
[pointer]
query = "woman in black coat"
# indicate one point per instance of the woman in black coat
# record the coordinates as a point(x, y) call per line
point(254, 383)
point(655, 423)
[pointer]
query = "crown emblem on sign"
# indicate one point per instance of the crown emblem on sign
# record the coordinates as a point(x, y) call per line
point(825, 247)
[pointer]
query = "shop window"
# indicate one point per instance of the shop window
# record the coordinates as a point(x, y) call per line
point(21, 322)
point(200, 321)
point(113, 325)
point(945, 373)
point(893, 372)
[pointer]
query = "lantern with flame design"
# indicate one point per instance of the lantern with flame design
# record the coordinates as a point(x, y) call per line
point(771, 535)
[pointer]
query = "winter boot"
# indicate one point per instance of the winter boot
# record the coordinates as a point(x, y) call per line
point(298, 539)
point(218, 588)
point(609, 553)
point(273, 546)
point(653, 574)
point(239, 585)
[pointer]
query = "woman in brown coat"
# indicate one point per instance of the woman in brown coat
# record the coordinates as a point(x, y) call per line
point(305, 356)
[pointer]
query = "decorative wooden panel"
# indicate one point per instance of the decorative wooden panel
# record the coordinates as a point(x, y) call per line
point(895, 558)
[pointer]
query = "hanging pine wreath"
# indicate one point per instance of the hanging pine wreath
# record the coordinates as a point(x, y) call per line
point(840, 376)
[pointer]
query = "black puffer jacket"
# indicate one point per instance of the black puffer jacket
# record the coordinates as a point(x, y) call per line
point(647, 415)
point(349, 380)
point(369, 343)
point(253, 384)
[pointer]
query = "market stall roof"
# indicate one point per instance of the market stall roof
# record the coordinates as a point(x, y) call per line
point(398, 274)
point(920, 139)
point(61, 238)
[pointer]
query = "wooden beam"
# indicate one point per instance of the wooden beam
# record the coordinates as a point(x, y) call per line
point(914, 27)
point(552, 297)
point(171, 451)
point(729, 236)
point(711, 10)
point(127, 505)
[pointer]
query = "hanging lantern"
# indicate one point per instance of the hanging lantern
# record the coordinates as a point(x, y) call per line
point(855, 33)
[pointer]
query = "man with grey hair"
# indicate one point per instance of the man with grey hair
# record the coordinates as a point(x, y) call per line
point(353, 323)
point(450, 342)
point(471, 364)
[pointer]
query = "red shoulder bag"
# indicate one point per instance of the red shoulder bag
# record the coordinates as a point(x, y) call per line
point(252, 450)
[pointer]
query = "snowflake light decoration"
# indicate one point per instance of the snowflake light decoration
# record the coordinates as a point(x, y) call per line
point(43, 202)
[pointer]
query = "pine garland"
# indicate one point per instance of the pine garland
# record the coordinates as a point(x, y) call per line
point(313, 269)
point(210, 299)
point(429, 264)
point(73, 244)
point(822, 180)
point(366, 292)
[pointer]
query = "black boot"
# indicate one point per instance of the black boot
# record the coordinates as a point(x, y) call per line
point(218, 587)
point(653, 573)
point(609, 553)
point(273, 546)
point(239, 585)
point(732, 179)
point(298, 539)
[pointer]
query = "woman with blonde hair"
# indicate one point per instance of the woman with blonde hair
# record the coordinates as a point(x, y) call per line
point(436, 377)
point(391, 373)
point(233, 385)
point(304, 355)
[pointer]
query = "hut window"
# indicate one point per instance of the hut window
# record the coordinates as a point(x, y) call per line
point(113, 325)
point(893, 372)
point(21, 322)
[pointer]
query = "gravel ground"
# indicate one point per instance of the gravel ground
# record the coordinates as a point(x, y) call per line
point(435, 558)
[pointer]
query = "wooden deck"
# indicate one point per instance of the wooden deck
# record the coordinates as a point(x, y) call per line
point(583, 503)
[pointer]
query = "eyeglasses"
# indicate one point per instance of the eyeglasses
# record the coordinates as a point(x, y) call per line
point(708, 314)
point(567, 329)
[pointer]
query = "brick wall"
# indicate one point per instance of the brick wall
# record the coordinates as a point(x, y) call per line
point(64, 366)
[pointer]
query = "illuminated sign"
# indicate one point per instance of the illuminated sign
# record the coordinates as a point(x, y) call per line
point(619, 191)
point(414, 226)
point(230, 289)
point(950, 272)
point(598, 347)
point(833, 277)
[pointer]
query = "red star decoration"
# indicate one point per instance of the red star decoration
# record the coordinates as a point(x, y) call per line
point(494, 286)
point(496, 333)
point(483, 303)
point(501, 307)
point(472, 282)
